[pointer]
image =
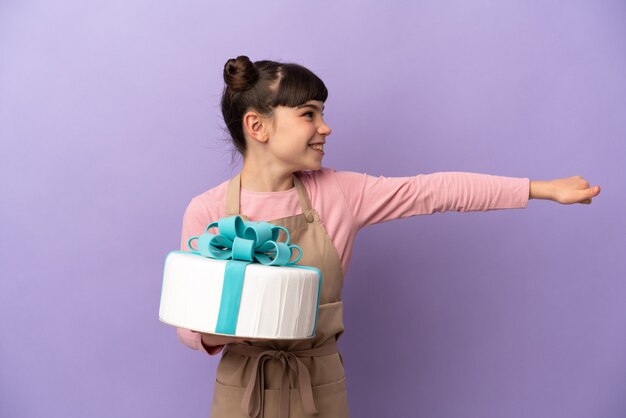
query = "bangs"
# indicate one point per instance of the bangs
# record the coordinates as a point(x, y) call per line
point(297, 86)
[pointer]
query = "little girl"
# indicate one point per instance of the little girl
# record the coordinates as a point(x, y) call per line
point(274, 113)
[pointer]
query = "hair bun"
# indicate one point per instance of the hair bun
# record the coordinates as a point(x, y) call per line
point(240, 74)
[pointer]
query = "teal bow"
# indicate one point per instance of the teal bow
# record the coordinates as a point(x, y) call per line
point(242, 242)
point(246, 241)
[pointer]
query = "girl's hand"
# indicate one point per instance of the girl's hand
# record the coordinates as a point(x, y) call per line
point(566, 191)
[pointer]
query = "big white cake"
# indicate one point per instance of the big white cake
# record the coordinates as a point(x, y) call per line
point(276, 302)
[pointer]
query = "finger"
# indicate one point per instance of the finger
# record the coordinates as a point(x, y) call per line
point(596, 190)
point(591, 192)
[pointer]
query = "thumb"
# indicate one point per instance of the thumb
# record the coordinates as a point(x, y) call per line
point(587, 194)
point(592, 191)
point(596, 190)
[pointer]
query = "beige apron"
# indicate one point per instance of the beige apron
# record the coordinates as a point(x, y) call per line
point(289, 378)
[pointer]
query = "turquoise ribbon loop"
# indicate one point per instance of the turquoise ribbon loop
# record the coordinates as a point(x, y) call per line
point(242, 242)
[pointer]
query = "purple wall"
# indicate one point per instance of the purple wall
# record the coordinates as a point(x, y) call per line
point(110, 123)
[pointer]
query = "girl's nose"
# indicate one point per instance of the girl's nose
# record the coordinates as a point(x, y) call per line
point(324, 129)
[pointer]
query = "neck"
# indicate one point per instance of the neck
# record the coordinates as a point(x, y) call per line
point(264, 178)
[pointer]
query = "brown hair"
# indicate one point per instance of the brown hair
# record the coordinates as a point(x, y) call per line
point(261, 86)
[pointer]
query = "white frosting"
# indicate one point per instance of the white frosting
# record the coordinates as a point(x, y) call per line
point(276, 302)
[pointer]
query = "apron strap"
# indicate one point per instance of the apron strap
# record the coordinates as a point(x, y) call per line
point(305, 202)
point(233, 196)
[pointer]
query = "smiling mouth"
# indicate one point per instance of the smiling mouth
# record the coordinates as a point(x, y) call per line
point(317, 147)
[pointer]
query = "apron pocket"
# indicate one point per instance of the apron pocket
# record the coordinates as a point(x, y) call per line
point(227, 401)
point(330, 399)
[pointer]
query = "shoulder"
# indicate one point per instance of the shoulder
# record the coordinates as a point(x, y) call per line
point(329, 176)
point(329, 180)
point(318, 182)
point(209, 203)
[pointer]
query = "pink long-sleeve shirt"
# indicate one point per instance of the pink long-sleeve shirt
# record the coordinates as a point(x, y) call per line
point(347, 202)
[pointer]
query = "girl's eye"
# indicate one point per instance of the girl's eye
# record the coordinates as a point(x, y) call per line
point(310, 114)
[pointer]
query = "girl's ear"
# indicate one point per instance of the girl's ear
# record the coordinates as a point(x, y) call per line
point(256, 126)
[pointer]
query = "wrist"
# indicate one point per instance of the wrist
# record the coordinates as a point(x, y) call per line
point(540, 189)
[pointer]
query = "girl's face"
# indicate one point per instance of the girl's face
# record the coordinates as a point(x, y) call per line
point(297, 136)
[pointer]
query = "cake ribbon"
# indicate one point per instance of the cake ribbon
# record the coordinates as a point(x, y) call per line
point(241, 243)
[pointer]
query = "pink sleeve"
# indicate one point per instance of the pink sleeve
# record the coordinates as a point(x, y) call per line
point(195, 221)
point(193, 340)
point(378, 199)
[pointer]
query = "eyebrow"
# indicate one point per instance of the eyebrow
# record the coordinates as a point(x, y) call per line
point(311, 105)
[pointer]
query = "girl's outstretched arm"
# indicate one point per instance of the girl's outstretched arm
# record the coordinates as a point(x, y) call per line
point(566, 191)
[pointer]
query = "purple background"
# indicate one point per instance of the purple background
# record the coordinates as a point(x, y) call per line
point(110, 124)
